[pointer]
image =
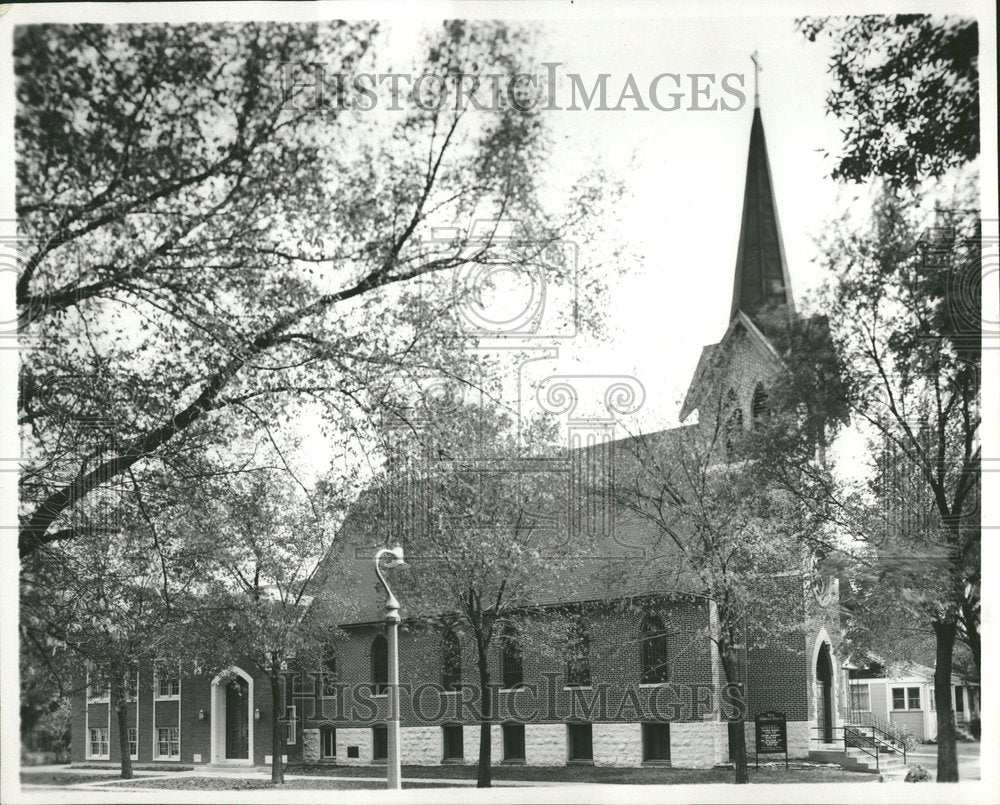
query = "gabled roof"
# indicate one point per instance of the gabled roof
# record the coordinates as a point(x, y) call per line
point(761, 278)
point(712, 356)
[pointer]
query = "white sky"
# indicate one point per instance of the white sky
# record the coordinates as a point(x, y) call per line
point(685, 172)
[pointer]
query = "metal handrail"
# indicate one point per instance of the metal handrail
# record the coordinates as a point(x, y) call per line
point(856, 744)
point(885, 730)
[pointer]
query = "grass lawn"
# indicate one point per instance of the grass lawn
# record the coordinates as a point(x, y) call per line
point(135, 767)
point(235, 784)
point(63, 778)
point(435, 776)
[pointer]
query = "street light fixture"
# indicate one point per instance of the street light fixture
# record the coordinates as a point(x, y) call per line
point(392, 627)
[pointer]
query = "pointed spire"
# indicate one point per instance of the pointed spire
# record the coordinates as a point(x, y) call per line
point(761, 271)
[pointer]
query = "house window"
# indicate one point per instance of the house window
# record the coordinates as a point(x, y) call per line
point(860, 700)
point(959, 699)
point(167, 684)
point(578, 664)
point(327, 742)
point(581, 741)
point(98, 746)
point(513, 742)
point(898, 698)
point(380, 664)
point(98, 686)
point(380, 742)
point(451, 661)
point(454, 745)
point(913, 698)
point(168, 743)
point(133, 743)
point(655, 742)
point(653, 652)
point(328, 672)
point(510, 660)
point(290, 725)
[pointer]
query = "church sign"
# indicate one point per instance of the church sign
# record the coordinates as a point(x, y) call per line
point(771, 732)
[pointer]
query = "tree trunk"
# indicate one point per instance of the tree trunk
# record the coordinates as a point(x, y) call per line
point(277, 739)
point(947, 757)
point(737, 717)
point(484, 776)
point(970, 618)
point(121, 716)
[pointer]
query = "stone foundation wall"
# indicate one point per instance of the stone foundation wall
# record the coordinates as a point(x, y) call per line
point(360, 737)
point(617, 744)
point(544, 744)
point(693, 745)
point(698, 745)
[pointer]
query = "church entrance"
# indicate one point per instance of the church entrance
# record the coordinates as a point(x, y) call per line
point(824, 684)
point(237, 726)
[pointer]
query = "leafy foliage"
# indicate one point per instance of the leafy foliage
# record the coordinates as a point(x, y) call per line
point(907, 91)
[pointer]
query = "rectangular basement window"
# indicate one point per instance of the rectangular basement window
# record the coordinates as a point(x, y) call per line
point(656, 743)
point(513, 743)
point(454, 745)
point(327, 743)
point(581, 743)
point(380, 743)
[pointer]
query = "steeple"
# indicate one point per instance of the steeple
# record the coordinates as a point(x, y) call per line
point(761, 271)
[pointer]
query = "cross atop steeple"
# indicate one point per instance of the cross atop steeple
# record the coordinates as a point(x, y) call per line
point(756, 72)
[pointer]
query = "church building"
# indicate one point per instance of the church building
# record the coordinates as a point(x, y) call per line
point(224, 718)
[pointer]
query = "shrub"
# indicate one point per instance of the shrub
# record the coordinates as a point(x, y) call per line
point(975, 727)
point(918, 774)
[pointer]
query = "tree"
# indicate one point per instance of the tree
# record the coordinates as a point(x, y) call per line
point(488, 543)
point(107, 607)
point(203, 246)
point(907, 89)
point(269, 545)
point(906, 324)
point(726, 536)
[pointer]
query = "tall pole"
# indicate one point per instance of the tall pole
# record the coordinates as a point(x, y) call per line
point(394, 772)
point(392, 627)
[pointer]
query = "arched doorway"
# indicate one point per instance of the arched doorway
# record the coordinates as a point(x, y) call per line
point(232, 717)
point(824, 684)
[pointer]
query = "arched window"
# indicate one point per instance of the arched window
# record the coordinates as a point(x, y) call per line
point(734, 424)
point(760, 408)
point(578, 663)
point(510, 659)
point(380, 664)
point(451, 660)
point(329, 671)
point(653, 651)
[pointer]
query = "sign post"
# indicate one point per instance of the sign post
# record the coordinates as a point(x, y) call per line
point(771, 734)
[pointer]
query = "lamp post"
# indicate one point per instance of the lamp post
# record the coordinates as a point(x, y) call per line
point(392, 627)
